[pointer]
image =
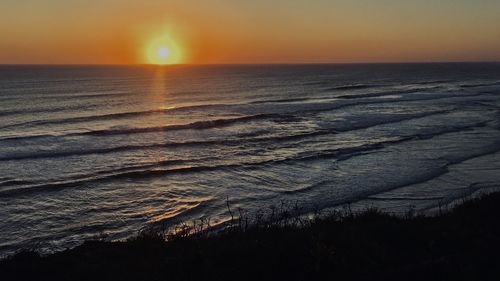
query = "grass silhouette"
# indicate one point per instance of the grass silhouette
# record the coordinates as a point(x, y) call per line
point(462, 244)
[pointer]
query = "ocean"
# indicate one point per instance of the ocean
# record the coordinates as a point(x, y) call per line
point(94, 151)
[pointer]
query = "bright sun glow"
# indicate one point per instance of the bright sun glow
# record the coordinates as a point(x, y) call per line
point(164, 50)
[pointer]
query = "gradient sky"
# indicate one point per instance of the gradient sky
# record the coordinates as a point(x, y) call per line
point(258, 31)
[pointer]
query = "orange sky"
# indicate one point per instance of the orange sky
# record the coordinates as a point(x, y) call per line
point(224, 31)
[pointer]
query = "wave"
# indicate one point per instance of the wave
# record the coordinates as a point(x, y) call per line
point(387, 93)
point(403, 99)
point(305, 188)
point(110, 116)
point(194, 125)
point(433, 82)
point(480, 85)
point(405, 198)
point(436, 173)
point(494, 148)
point(346, 153)
point(226, 142)
point(9, 182)
point(282, 100)
point(373, 194)
point(63, 96)
point(82, 119)
point(321, 107)
point(47, 110)
point(97, 176)
point(156, 170)
point(352, 96)
point(122, 115)
point(109, 176)
point(352, 87)
point(153, 170)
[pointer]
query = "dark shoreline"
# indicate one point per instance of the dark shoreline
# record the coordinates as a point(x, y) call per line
point(462, 244)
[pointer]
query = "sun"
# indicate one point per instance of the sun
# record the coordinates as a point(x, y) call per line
point(164, 50)
point(163, 53)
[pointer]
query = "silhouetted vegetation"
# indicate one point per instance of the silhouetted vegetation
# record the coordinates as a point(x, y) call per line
point(463, 244)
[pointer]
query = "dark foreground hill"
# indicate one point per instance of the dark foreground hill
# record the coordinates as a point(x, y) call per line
point(463, 244)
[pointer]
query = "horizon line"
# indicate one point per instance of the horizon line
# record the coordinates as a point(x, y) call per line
point(249, 64)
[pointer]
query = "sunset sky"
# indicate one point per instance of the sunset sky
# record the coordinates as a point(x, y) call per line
point(224, 31)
